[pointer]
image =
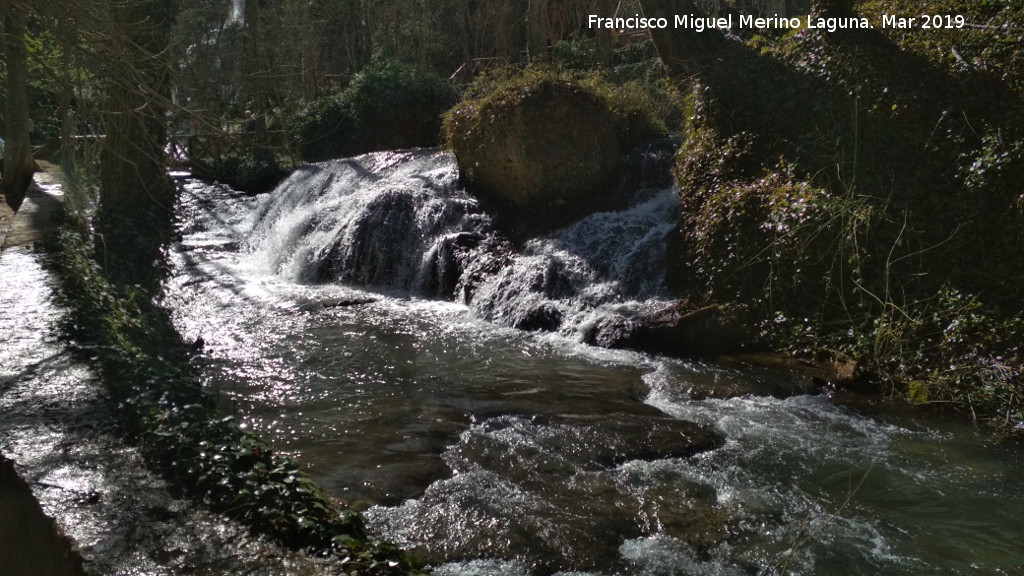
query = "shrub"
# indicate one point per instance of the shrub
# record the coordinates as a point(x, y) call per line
point(386, 105)
point(257, 170)
point(864, 200)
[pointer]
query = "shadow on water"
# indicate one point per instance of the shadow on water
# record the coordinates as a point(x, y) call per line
point(30, 543)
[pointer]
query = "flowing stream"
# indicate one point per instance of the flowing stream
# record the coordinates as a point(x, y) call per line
point(363, 318)
point(81, 482)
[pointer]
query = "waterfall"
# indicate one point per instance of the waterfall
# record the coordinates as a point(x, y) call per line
point(401, 222)
point(381, 220)
point(604, 268)
point(236, 16)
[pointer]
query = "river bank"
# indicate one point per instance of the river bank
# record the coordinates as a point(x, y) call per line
point(62, 433)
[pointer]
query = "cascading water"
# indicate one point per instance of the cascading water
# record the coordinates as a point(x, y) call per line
point(400, 221)
point(383, 221)
point(489, 450)
point(236, 14)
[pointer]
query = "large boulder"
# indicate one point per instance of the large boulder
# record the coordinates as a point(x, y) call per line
point(538, 154)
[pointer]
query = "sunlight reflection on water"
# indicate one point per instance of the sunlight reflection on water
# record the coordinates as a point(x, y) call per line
point(480, 446)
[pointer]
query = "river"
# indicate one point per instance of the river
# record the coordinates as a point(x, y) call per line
point(362, 318)
point(79, 477)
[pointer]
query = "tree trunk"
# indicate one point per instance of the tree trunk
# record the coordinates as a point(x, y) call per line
point(833, 8)
point(18, 165)
point(685, 52)
point(135, 216)
point(537, 29)
point(603, 36)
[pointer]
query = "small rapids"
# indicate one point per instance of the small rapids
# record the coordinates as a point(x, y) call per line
point(57, 425)
point(362, 318)
point(401, 222)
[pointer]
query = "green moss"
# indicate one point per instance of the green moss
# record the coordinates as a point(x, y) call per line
point(844, 187)
point(917, 391)
point(992, 42)
point(640, 110)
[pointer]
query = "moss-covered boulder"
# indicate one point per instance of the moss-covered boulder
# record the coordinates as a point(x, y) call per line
point(538, 153)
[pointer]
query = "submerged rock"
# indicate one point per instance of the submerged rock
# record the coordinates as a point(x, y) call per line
point(677, 330)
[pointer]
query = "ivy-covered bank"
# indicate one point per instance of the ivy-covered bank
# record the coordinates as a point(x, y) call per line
point(145, 366)
point(857, 195)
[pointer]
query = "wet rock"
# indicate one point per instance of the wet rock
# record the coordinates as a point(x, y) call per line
point(698, 522)
point(649, 165)
point(747, 379)
point(544, 317)
point(612, 332)
point(375, 253)
point(661, 437)
point(345, 301)
point(648, 438)
point(677, 330)
point(487, 259)
point(448, 262)
point(781, 376)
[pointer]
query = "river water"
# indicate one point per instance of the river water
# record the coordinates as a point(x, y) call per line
point(361, 319)
point(59, 427)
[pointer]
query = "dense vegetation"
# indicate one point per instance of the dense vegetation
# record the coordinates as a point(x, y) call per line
point(857, 195)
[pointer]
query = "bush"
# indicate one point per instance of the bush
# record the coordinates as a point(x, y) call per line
point(864, 200)
point(256, 171)
point(386, 106)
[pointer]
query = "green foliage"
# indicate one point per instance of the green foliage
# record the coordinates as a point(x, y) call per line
point(864, 200)
point(322, 129)
point(629, 62)
point(386, 105)
point(146, 368)
point(992, 44)
point(257, 170)
point(637, 61)
point(639, 110)
point(643, 108)
point(576, 53)
point(958, 354)
point(45, 59)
